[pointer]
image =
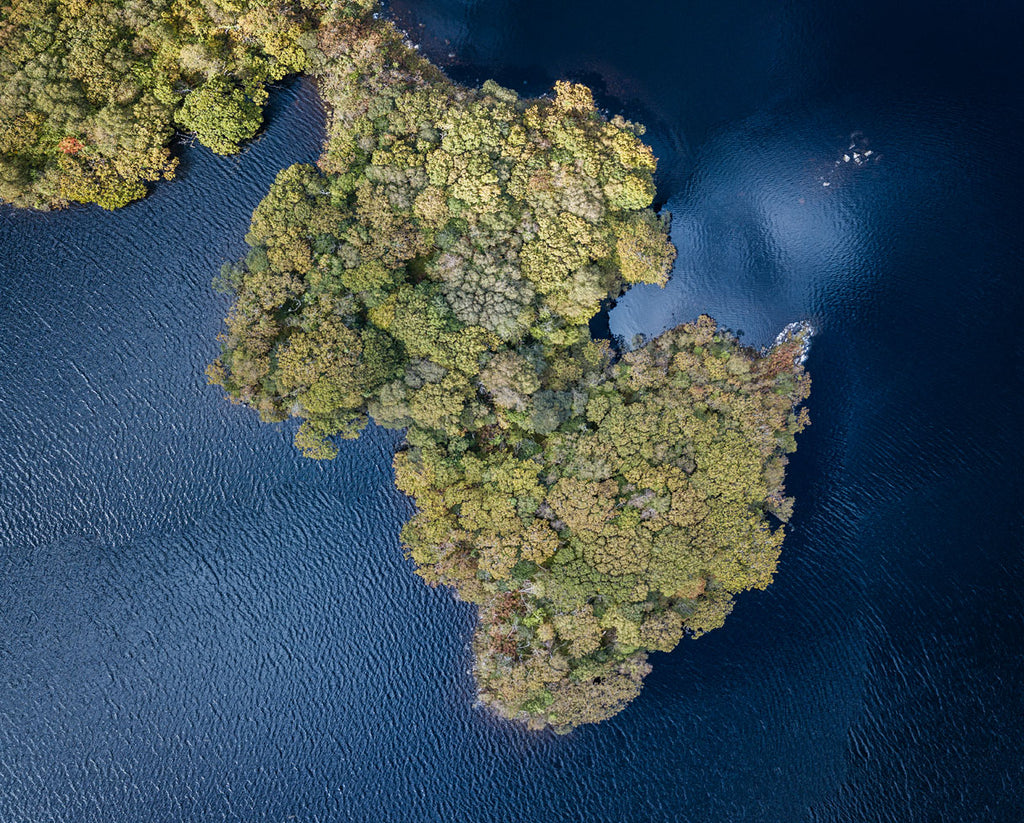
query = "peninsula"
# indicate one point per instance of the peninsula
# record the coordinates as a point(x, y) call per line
point(436, 272)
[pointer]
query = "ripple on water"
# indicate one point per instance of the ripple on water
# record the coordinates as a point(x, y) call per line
point(199, 625)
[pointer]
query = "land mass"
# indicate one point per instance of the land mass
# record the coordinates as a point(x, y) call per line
point(436, 272)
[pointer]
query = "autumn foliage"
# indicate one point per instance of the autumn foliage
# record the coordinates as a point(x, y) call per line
point(437, 273)
point(91, 92)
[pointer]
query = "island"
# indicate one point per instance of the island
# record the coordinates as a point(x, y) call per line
point(436, 272)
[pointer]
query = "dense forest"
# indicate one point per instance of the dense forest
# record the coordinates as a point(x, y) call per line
point(436, 272)
point(92, 91)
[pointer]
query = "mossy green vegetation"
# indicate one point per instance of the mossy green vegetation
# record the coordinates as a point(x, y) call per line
point(91, 91)
point(437, 273)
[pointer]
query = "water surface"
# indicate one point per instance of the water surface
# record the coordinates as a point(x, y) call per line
point(200, 625)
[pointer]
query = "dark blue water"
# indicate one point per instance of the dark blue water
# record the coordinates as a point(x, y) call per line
point(198, 625)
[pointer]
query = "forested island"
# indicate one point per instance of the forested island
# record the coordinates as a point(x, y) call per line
point(436, 272)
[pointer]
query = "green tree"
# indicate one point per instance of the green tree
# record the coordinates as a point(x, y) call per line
point(221, 114)
point(436, 272)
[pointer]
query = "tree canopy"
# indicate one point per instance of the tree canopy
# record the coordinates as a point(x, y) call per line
point(91, 91)
point(437, 272)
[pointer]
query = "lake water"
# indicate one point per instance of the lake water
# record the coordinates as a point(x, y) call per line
point(198, 625)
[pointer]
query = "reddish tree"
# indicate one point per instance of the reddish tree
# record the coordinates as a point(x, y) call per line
point(70, 145)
